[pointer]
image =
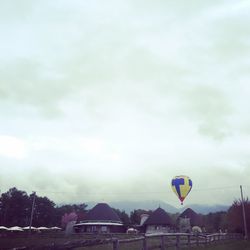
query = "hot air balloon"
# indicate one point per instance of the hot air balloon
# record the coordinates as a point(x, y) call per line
point(181, 186)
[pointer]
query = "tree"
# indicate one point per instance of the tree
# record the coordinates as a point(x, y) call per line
point(235, 216)
point(135, 215)
point(78, 209)
point(213, 222)
point(66, 218)
point(123, 216)
point(15, 208)
point(44, 212)
point(16, 205)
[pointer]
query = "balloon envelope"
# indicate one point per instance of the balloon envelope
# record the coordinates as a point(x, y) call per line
point(181, 186)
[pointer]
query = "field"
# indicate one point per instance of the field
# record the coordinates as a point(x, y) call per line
point(237, 245)
point(49, 241)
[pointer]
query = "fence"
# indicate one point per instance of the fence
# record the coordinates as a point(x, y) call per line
point(176, 240)
point(142, 242)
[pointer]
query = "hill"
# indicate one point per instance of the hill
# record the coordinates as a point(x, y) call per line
point(129, 206)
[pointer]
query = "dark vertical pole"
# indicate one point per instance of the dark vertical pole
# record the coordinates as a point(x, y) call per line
point(144, 247)
point(116, 244)
point(244, 214)
point(32, 210)
point(162, 243)
point(188, 243)
point(197, 240)
point(177, 241)
point(206, 240)
point(209, 239)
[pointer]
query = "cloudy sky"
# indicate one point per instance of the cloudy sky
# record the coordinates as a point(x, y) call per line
point(108, 100)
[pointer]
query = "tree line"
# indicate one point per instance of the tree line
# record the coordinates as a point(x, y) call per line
point(16, 206)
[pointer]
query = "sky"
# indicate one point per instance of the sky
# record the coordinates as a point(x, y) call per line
point(109, 100)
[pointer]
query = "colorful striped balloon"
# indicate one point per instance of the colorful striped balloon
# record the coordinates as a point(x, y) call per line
point(181, 186)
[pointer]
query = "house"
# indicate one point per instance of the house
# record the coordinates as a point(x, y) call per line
point(100, 219)
point(188, 219)
point(157, 222)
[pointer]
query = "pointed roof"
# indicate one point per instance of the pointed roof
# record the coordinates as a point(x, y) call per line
point(102, 212)
point(158, 217)
point(195, 219)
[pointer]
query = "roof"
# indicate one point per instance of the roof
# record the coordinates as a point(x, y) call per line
point(102, 212)
point(195, 219)
point(158, 217)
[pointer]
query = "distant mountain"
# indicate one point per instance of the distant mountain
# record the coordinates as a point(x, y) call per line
point(129, 206)
point(205, 209)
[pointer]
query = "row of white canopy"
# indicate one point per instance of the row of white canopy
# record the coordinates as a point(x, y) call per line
point(16, 228)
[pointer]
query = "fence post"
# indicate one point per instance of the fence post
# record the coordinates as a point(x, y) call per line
point(144, 243)
point(115, 244)
point(162, 242)
point(197, 240)
point(188, 240)
point(209, 239)
point(206, 240)
point(177, 241)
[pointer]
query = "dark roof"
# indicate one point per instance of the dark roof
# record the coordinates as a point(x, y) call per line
point(158, 217)
point(102, 212)
point(195, 219)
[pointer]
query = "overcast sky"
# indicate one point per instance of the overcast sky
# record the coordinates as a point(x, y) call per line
point(108, 100)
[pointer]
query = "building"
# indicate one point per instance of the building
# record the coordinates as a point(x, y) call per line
point(158, 222)
point(100, 219)
point(188, 219)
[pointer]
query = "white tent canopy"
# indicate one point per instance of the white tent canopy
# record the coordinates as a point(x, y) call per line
point(16, 228)
point(28, 228)
point(55, 228)
point(42, 228)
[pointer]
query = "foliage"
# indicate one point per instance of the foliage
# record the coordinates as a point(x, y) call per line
point(78, 209)
point(135, 215)
point(235, 216)
point(68, 218)
point(44, 212)
point(214, 222)
point(15, 209)
point(123, 216)
point(16, 206)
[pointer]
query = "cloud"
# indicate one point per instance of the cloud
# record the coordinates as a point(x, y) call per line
point(94, 99)
point(211, 108)
point(13, 147)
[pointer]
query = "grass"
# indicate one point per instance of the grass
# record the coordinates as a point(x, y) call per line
point(235, 245)
point(46, 239)
point(12, 241)
point(60, 238)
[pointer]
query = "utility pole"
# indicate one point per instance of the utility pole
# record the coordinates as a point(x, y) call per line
point(244, 214)
point(32, 210)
